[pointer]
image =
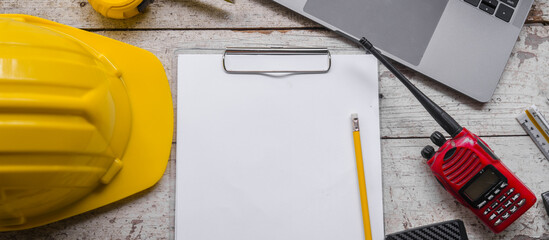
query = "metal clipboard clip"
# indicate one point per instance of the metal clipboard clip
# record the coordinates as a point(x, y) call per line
point(277, 60)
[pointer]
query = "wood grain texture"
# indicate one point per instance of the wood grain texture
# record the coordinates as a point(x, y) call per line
point(539, 13)
point(411, 195)
point(166, 14)
point(412, 198)
point(523, 83)
point(189, 14)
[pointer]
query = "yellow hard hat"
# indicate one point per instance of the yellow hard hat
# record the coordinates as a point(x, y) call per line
point(84, 121)
point(119, 9)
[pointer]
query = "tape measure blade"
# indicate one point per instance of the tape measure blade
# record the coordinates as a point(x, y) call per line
point(536, 126)
point(536, 137)
point(541, 121)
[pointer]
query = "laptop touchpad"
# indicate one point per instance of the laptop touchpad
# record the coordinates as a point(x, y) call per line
point(400, 27)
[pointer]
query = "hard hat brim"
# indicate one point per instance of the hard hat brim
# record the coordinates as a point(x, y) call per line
point(148, 149)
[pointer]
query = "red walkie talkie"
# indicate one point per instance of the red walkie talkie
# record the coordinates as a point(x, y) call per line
point(466, 167)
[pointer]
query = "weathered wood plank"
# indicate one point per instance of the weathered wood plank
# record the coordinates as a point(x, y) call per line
point(166, 14)
point(149, 215)
point(412, 198)
point(188, 14)
point(539, 13)
point(524, 82)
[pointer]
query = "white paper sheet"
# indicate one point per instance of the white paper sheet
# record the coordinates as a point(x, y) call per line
point(263, 157)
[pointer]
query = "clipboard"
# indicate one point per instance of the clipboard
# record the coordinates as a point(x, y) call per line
point(265, 145)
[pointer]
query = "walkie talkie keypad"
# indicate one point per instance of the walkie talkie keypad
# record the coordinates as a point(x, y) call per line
point(505, 216)
point(502, 198)
point(500, 210)
point(502, 202)
point(504, 209)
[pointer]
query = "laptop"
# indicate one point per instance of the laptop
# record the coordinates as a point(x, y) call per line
point(464, 44)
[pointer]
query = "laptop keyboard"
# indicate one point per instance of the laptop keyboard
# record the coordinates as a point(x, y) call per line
point(503, 9)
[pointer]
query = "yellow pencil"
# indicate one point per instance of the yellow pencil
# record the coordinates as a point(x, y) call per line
point(361, 179)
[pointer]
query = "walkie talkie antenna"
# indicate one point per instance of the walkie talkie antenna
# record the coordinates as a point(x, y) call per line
point(441, 117)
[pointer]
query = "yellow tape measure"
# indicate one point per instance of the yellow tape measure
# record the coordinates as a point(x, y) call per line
point(119, 9)
point(122, 9)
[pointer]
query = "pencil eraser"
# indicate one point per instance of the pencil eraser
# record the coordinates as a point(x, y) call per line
point(354, 115)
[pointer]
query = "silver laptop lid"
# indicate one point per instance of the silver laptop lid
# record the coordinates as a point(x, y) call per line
point(401, 28)
point(459, 43)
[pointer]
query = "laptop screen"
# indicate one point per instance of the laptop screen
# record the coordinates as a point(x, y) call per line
point(400, 27)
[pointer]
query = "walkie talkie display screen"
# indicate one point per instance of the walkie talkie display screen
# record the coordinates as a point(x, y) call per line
point(481, 184)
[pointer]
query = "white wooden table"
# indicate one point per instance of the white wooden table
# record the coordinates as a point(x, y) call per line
point(412, 197)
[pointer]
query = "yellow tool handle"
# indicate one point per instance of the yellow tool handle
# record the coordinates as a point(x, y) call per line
point(122, 9)
point(362, 187)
